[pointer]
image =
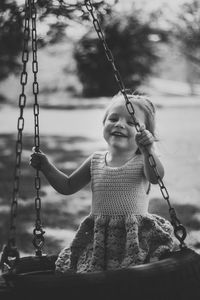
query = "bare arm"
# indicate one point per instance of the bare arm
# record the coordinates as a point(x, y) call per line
point(62, 183)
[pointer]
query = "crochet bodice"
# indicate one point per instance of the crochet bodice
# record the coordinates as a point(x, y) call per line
point(118, 190)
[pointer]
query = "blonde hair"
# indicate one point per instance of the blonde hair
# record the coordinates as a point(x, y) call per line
point(143, 103)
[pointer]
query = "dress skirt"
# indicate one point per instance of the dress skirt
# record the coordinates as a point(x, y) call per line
point(114, 242)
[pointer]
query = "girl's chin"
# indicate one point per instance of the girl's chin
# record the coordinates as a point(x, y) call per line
point(119, 145)
point(122, 145)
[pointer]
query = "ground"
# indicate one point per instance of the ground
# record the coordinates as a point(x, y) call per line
point(68, 136)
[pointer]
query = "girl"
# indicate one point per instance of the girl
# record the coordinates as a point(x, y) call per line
point(119, 232)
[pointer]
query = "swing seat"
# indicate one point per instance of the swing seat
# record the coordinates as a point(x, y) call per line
point(176, 277)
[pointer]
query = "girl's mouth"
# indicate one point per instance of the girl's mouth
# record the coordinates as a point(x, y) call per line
point(118, 134)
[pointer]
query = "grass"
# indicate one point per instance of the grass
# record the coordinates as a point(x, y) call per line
point(61, 215)
point(26, 209)
point(57, 212)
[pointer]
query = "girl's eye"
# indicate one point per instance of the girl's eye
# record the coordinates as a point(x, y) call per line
point(130, 123)
point(113, 119)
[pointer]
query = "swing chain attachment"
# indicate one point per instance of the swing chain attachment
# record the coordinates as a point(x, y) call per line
point(10, 254)
point(179, 229)
point(9, 258)
point(38, 232)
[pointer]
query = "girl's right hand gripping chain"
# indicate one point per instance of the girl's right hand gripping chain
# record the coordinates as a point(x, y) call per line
point(38, 160)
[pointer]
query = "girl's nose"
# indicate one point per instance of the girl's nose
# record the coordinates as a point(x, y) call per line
point(120, 124)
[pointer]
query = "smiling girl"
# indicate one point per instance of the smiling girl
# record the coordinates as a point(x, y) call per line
point(119, 232)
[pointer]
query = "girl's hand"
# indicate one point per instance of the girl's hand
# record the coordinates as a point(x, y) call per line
point(144, 139)
point(38, 160)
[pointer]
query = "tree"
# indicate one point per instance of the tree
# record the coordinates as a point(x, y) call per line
point(186, 31)
point(10, 37)
point(133, 49)
point(11, 27)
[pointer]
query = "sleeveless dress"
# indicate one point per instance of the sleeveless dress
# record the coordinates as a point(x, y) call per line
point(119, 232)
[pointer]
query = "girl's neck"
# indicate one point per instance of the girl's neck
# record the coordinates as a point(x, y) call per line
point(118, 158)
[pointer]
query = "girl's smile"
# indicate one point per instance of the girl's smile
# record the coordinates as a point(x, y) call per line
point(119, 130)
point(117, 133)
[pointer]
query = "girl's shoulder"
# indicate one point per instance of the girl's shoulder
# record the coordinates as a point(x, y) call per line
point(98, 159)
point(99, 154)
point(95, 155)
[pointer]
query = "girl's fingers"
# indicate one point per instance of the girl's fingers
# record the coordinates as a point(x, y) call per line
point(145, 142)
point(145, 139)
point(142, 128)
point(37, 155)
point(146, 136)
point(34, 150)
point(35, 160)
point(145, 133)
point(38, 159)
point(35, 163)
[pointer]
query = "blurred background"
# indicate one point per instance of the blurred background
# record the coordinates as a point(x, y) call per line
point(156, 47)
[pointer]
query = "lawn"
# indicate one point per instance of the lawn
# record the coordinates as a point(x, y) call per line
point(68, 137)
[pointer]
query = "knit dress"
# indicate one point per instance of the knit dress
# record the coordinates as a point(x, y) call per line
point(119, 232)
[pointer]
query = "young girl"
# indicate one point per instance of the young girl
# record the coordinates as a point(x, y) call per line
point(119, 232)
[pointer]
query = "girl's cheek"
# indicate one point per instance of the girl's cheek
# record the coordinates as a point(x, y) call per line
point(134, 131)
point(105, 133)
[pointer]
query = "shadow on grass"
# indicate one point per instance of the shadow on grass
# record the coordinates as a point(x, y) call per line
point(53, 146)
point(188, 215)
point(60, 150)
point(55, 213)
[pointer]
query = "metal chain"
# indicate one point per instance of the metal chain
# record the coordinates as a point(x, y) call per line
point(10, 254)
point(38, 240)
point(179, 229)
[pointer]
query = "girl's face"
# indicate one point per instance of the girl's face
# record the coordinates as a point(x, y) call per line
point(119, 130)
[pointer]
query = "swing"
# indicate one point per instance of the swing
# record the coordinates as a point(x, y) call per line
point(175, 276)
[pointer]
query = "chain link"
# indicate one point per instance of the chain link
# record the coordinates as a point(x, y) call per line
point(179, 229)
point(38, 232)
point(10, 253)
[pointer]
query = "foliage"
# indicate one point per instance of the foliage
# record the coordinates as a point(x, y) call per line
point(133, 50)
point(10, 37)
point(56, 14)
point(187, 31)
